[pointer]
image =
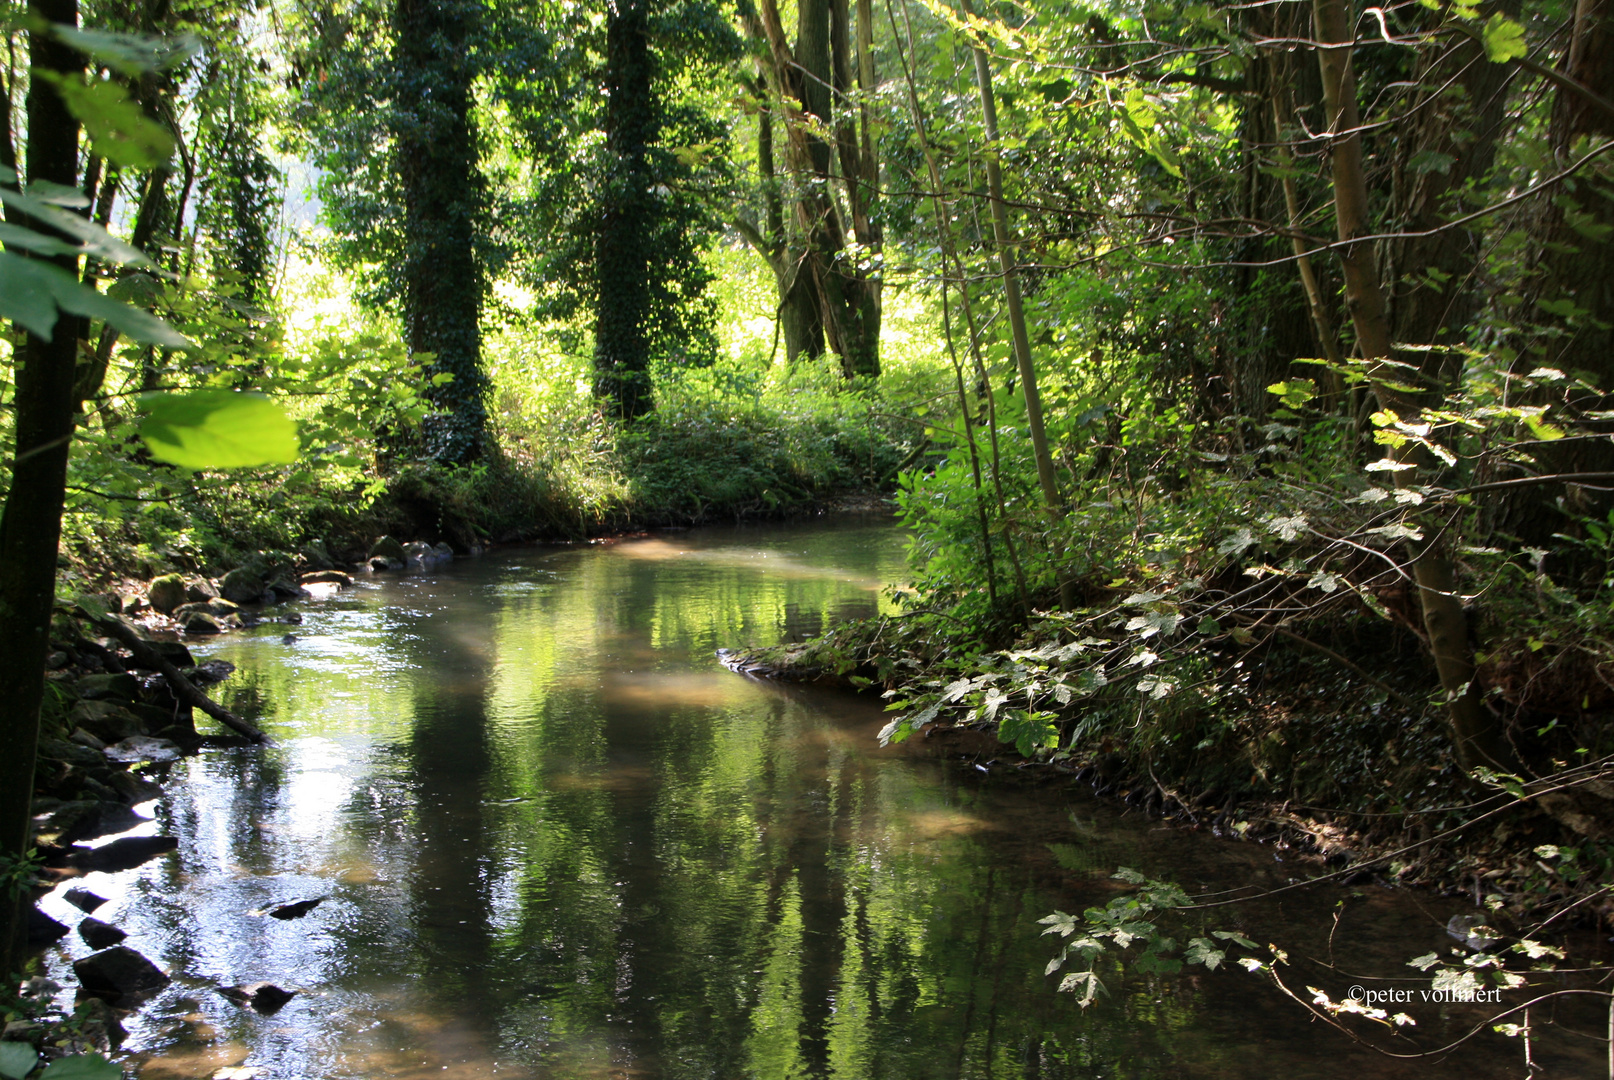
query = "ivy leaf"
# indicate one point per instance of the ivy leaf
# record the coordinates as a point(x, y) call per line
point(1504, 39)
point(217, 429)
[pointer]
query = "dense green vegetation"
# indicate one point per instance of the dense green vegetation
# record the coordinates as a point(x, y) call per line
point(1242, 370)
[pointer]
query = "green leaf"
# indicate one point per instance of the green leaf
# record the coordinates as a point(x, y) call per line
point(27, 292)
point(17, 1059)
point(44, 206)
point(130, 321)
point(14, 236)
point(82, 1067)
point(217, 429)
point(129, 54)
point(1504, 39)
point(118, 128)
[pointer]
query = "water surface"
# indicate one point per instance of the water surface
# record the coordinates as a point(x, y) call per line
point(557, 840)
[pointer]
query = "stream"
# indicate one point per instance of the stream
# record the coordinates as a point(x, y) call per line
point(554, 838)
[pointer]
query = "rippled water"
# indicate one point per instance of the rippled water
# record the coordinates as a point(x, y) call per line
point(555, 839)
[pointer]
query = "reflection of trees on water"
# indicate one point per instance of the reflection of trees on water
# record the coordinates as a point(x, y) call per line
point(588, 848)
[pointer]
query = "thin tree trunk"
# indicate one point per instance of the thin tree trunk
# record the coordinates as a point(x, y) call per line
point(1475, 734)
point(1046, 478)
point(31, 521)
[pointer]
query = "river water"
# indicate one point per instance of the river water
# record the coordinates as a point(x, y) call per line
point(554, 838)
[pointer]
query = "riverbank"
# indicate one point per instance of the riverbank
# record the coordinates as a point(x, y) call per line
point(1289, 747)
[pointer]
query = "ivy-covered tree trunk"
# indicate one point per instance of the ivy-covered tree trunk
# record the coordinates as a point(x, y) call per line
point(627, 215)
point(436, 148)
point(31, 521)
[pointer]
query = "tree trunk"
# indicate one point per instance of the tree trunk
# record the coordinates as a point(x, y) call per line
point(31, 521)
point(627, 213)
point(442, 187)
point(845, 279)
point(1011, 289)
point(1475, 734)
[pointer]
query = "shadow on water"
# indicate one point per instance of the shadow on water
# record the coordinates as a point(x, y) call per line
point(556, 840)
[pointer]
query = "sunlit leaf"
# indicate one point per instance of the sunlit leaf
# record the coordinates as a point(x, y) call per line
point(217, 429)
point(1504, 39)
point(118, 128)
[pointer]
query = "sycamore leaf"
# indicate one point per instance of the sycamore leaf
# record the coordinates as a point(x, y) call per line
point(217, 429)
point(1504, 39)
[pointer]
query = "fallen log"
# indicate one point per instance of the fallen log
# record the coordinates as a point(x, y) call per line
point(147, 657)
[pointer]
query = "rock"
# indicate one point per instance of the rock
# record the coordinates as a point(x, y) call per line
point(83, 899)
point(388, 548)
point(381, 564)
point(135, 605)
point(292, 618)
point(201, 592)
point(124, 854)
point(328, 577)
point(174, 652)
point(216, 608)
point(106, 721)
point(261, 997)
point(283, 587)
point(98, 1024)
point(24, 1031)
point(209, 672)
point(113, 685)
point(55, 661)
point(296, 909)
point(315, 557)
point(99, 935)
point(143, 748)
point(84, 738)
point(201, 624)
point(153, 718)
point(72, 753)
point(242, 586)
point(166, 593)
point(132, 788)
point(87, 819)
point(40, 988)
point(42, 929)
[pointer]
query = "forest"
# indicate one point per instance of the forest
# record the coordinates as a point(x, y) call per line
point(1235, 371)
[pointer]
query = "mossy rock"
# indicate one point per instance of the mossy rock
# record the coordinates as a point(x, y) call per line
point(109, 685)
point(166, 593)
point(388, 548)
